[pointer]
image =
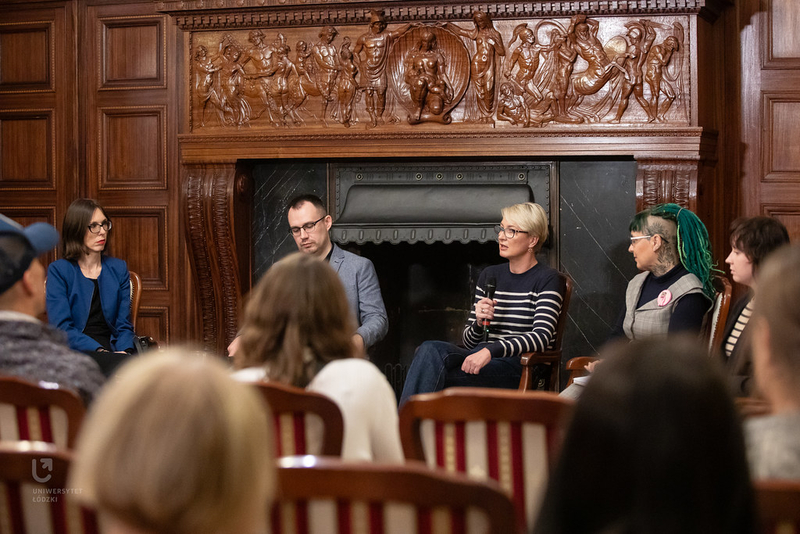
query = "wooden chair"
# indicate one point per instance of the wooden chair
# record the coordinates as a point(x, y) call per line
point(509, 436)
point(778, 506)
point(34, 412)
point(136, 297)
point(33, 479)
point(327, 496)
point(305, 422)
point(550, 357)
point(577, 367)
point(719, 312)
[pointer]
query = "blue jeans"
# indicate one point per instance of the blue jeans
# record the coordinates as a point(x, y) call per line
point(437, 365)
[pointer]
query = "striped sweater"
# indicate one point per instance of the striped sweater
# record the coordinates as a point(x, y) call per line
point(525, 317)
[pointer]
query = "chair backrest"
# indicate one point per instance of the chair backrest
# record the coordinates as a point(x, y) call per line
point(550, 357)
point(33, 486)
point(136, 297)
point(509, 436)
point(305, 422)
point(778, 506)
point(328, 496)
point(31, 411)
point(719, 312)
point(562, 317)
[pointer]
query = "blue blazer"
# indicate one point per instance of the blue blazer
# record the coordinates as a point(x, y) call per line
point(69, 297)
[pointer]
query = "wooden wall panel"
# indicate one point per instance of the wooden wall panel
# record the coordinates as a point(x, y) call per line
point(133, 144)
point(139, 236)
point(781, 145)
point(132, 52)
point(26, 57)
point(26, 149)
point(782, 46)
point(154, 320)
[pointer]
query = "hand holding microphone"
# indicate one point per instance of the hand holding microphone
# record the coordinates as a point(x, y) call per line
point(487, 308)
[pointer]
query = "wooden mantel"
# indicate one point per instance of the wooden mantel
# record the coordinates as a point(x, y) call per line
point(266, 79)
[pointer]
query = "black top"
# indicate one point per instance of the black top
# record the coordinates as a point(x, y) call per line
point(96, 326)
point(689, 311)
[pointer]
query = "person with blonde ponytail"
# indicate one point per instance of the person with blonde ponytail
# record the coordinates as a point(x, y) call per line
point(298, 330)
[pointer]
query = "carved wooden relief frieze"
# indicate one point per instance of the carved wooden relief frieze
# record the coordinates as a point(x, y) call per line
point(550, 73)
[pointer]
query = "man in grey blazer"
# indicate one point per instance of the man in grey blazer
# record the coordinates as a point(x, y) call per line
point(309, 225)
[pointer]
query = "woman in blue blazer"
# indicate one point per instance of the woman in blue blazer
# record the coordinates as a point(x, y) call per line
point(88, 293)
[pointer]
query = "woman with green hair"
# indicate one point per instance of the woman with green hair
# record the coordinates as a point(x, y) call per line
point(673, 293)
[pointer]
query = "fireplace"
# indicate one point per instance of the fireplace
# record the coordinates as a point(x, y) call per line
point(427, 285)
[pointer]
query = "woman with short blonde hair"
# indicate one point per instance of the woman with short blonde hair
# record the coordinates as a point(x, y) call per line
point(175, 446)
point(516, 309)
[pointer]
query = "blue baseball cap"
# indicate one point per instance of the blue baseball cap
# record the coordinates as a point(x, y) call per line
point(19, 246)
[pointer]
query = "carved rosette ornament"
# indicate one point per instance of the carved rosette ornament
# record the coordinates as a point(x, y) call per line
point(546, 72)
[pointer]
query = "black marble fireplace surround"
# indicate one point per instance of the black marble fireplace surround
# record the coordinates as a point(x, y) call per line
point(427, 287)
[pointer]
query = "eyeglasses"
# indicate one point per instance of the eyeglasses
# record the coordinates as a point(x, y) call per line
point(510, 233)
point(295, 230)
point(95, 227)
point(634, 239)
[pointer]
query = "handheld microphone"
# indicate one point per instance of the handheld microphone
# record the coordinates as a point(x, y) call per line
point(491, 285)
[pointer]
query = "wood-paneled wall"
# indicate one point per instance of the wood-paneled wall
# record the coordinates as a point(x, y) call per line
point(771, 110)
point(89, 107)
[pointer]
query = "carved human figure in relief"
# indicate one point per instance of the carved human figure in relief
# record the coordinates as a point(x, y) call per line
point(483, 67)
point(281, 100)
point(204, 82)
point(326, 66)
point(427, 81)
point(512, 107)
point(260, 54)
point(346, 85)
point(640, 38)
point(658, 58)
point(526, 58)
point(582, 34)
point(375, 45)
point(233, 107)
point(553, 79)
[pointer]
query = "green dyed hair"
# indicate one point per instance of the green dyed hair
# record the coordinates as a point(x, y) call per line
point(694, 247)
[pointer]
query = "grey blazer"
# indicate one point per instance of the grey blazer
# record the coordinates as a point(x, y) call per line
point(363, 294)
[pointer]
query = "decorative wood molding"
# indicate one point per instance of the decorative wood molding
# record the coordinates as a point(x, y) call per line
point(230, 14)
point(209, 194)
point(667, 180)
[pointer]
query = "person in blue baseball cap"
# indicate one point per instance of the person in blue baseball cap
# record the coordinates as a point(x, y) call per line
point(30, 349)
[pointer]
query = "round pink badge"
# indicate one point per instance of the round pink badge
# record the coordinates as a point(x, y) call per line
point(664, 298)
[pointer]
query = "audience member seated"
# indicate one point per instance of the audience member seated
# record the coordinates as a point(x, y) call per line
point(30, 349)
point(752, 239)
point(674, 292)
point(88, 292)
point(774, 441)
point(298, 330)
point(654, 445)
point(174, 445)
point(523, 312)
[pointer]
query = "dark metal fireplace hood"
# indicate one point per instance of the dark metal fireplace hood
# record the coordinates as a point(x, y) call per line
point(412, 202)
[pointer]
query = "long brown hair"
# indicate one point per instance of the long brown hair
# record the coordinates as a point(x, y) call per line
point(76, 223)
point(297, 319)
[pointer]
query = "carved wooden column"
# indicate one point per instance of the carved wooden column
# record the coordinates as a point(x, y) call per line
point(217, 199)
